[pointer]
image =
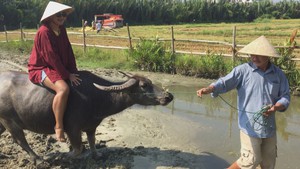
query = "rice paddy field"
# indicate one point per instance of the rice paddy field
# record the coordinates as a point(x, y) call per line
point(206, 37)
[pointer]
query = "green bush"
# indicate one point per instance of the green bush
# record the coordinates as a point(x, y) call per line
point(151, 56)
point(186, 65)
point(210, 66)
point(286, 63)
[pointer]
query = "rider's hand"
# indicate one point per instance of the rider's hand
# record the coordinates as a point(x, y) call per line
point(74, 78)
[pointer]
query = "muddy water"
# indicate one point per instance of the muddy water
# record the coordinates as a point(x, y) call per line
point(220, 118)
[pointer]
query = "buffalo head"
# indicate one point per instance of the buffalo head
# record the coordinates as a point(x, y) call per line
point(141, 90)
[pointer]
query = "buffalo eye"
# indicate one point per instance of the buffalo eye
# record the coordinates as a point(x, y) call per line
point(143, 84)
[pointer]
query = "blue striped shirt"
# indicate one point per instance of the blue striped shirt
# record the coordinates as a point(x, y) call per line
point(256, 89)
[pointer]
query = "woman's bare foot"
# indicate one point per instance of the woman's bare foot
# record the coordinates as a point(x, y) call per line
point(60, 135)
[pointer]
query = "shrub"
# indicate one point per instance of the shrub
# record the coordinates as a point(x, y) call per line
point(150, 55)
point(286, 63)
point(210, 66)
point(186, 64)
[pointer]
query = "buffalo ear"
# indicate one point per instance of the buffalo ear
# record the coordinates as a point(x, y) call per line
point(120, 87)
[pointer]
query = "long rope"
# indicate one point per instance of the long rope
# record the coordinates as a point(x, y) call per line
point(258, 117)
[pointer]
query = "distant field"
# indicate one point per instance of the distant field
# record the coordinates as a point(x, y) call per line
point(274, 30)
point(277, 31)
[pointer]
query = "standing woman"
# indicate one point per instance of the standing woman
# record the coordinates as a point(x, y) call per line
point(52, 62)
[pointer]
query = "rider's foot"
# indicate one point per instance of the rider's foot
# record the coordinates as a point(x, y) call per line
point(59, 133)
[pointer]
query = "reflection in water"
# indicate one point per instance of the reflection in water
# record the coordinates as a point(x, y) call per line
point(187, 101)
point(222, 118)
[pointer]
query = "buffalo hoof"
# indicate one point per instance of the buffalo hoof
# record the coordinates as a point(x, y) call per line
point(75, 153)
point(97, 155)
point(43, 164)
point(40, 163)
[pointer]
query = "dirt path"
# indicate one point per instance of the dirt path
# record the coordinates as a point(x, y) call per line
point(135, 138)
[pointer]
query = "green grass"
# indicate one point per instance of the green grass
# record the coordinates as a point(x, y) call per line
point(101, 58)
point(17, 47)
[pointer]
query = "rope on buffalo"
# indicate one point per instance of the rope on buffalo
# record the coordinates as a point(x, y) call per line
point(257, 118)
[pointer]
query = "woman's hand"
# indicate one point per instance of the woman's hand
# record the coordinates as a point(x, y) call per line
point(74, 78)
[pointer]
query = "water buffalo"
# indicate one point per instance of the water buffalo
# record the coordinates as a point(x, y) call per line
point(24, 105)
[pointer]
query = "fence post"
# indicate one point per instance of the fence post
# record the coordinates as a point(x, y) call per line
point(173, 46)
point(173, 51)
point(22, 38)
point(233, 44)
point(129, 39)
point(84, 35)
point(129, 36)
point(6, 38)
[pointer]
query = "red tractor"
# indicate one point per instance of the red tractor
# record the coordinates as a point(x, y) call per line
point(109, 20)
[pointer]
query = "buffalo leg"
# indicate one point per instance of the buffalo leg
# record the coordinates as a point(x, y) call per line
point(19, 137)
point(91, 139)
point(2, 129)
point(76, 142)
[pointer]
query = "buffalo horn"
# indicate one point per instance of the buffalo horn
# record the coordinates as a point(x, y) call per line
point(126, 74)
point(120, 87)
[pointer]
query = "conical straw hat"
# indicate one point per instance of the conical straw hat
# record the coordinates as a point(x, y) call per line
point(260, 46)
point(55, 7)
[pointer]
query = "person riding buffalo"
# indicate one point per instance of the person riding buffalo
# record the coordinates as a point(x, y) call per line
point(52, 62)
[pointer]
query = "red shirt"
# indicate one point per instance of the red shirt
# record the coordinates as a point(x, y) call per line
point(53, 54)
